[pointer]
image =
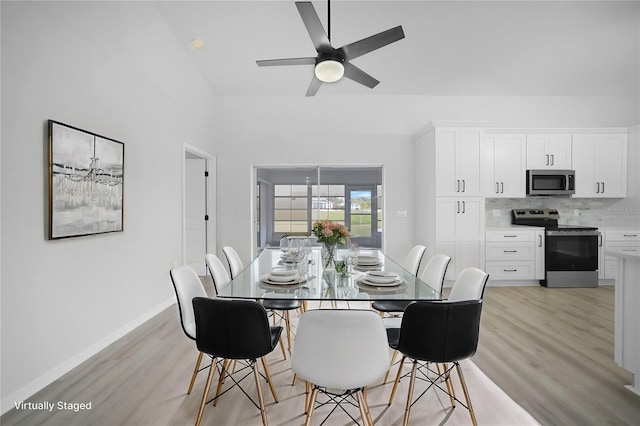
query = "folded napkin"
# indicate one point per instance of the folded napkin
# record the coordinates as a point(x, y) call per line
point(367, 260)
point(381, 277)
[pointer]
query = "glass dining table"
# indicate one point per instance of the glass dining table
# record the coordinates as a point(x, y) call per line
point(313, 282)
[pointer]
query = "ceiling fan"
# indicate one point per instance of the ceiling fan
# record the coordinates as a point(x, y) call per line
point(332, 64)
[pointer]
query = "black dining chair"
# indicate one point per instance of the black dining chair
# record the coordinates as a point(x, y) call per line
point(450, 337)
point(234, 330)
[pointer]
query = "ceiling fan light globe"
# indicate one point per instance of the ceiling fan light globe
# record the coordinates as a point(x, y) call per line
point(329, 71)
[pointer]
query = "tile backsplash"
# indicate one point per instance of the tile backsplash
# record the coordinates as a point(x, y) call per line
point(591, 211)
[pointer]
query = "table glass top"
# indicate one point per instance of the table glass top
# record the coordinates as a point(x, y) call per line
point(256, 281)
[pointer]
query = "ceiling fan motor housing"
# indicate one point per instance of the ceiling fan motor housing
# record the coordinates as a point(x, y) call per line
point(329, 67)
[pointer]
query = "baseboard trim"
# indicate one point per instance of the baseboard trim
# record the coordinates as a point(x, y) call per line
point(54, 374)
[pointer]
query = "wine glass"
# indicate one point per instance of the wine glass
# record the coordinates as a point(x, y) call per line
point(352, 257)
point(284, 244)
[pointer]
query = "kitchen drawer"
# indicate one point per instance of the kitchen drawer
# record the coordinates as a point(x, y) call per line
point(622, 235)
point(510, 235)
point(524, 270)
point(510, 251)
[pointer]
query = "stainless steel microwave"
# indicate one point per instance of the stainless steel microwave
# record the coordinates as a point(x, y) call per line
point(551, 182)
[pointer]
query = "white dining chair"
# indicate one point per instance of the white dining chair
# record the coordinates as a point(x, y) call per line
point(469, 285)
point(413, 259)
point(218, 272)
point(340, 352)
point(187, 285)
point(235, 263)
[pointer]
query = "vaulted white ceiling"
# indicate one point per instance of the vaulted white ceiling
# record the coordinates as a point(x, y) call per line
point(452, 48)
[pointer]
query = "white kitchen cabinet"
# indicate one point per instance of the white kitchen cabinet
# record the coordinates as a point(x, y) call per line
point(515, 254)
point(504, 165)
point(458, 165)
point(549, 151)
point(625, 240)
point(600, 163)
point(460, 232)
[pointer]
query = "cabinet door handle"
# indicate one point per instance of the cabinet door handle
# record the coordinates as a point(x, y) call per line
point(464, 206)
point(464, 186)
point(600, 240)
point(629, 249)
point(553, 160)
point(547, 160)
point(497, 188)
point(502, 187)
point(630, 235)
point(458, 203)
point(510, 236)
point(539, 240)
point(510, 270)
point(597, 187)
point(458, 185)
point(510, 251)
point(602, 187)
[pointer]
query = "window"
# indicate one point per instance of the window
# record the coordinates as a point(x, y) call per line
point(291, 208)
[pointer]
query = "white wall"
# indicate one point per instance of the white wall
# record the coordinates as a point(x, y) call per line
point(235, 184)
point(114, 69)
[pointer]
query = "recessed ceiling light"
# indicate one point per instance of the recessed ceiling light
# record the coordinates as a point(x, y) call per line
point(197, 44)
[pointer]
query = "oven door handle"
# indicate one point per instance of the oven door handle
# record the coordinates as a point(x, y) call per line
point(573, 233)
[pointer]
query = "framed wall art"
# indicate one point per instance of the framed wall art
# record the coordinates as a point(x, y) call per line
point(86, 178)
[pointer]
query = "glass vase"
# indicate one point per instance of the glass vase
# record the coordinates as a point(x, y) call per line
point(328, 255)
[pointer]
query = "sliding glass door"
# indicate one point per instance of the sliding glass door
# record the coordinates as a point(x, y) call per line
point(289, 199)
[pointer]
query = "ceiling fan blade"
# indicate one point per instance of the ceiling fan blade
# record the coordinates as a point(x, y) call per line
point(288, 61)
point(314, 26)
point(356, 74)
point(314, 86)
point(366, 45)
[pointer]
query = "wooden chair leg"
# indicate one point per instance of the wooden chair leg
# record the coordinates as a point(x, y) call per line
point(466, 394)
point(361, 406)
point(223, 373)
point(288, 325)
point(205, 393)
point(284, 351)
point(307, 394)
point(412, 384)
point(395, 383)
point(449, 383)
point(268, 375)
point(263, 411)
point(311, 406)
point(393, 359)
point(195, 373)
point(365, 391)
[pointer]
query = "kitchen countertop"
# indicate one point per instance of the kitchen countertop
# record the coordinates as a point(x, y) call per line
point(620, 252)
point(512, 228)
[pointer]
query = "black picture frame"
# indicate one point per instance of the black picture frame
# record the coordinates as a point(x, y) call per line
point(86, 182)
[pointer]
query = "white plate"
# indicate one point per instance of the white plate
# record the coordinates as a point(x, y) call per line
point(365, 268)
point(283, 272)
point(393, 283)
point(364, 285)
point(381, 277)
point(367, 260)
point(270, 280)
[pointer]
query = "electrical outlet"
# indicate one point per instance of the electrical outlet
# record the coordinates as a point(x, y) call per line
point(401, 213)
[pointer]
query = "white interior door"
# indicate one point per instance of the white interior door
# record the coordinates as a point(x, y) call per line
point(195, 212)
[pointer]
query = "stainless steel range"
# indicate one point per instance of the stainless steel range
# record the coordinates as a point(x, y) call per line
point(571, 252)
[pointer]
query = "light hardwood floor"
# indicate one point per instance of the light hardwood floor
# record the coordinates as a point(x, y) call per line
point(551, 350)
